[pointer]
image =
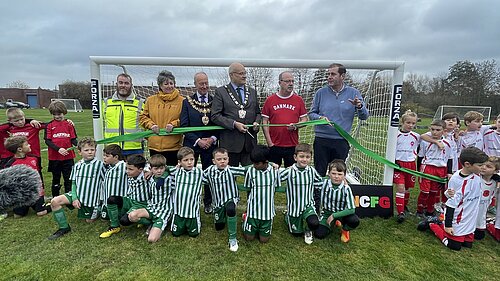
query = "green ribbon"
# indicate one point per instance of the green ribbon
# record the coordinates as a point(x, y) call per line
point(183, 130)
point(344, 134)
point(381, 159)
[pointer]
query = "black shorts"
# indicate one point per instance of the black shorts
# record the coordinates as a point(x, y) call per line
point(58, 166)
point(37, 207)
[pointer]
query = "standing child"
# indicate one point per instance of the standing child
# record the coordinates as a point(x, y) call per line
point(225, 196)
point(20, 147)
point(261, 179)
point(488, 189)
point(115, 187)
point(494, 228)
point(406, 155)
point(59, 136)
point(452, 121)
point(492, 140)
point(301, 180)
point(87, 176)
point(19, 127)
point(13, 114)
point(159, 206)
point(437, 162)
point(462, 209)
point(337, 203)
point(473, 135)
point(186, 195)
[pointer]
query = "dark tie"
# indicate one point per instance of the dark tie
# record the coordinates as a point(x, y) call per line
point(202, 99)
point(240, 92)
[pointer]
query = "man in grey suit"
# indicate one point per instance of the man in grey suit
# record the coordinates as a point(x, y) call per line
point(234, 106)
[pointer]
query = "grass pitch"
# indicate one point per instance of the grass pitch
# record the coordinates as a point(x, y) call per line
point(380, 249)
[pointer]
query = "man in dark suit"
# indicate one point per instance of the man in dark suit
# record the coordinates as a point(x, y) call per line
point(234, 106)
point(196, 113)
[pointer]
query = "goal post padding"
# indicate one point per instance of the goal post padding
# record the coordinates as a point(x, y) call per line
point(376, 80)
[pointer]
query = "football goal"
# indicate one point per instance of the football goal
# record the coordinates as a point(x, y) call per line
point(380, 83)
point(462, 109)
point(73, 105)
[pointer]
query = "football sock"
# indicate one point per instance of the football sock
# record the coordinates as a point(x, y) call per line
point(113, 215)
point(55, 190)
point(407, 196)
point(431, 199)
point(144, 221)
point(232, 227)
point(60, 218)
point(400, 202)
point(422, 201)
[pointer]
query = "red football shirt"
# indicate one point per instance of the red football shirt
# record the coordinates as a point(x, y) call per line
point(60, 133)
point(31, 162)
point(29, 132)
point(284, 110)
point(3, 135)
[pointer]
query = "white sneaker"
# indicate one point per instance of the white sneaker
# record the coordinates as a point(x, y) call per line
point(3, 215)
point(233, 245)
point(308, 237)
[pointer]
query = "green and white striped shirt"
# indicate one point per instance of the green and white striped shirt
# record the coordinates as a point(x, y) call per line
point(88, 177)
point(262, 185)
point(115, 181)
point(138, 189)
point(336, 198)
point(223, 183)
point(187, 191)
point(160, 204)
point(300, 188)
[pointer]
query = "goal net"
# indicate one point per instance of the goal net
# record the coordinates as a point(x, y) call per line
point(73, 105)
point(376, 81)
point(462, 109)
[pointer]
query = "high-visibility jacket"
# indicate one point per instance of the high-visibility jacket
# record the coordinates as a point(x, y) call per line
point(121, 117)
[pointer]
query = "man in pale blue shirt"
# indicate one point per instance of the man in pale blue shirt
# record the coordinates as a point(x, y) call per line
point(338, 103)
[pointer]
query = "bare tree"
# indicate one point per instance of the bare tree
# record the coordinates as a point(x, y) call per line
point(261, 79)
point(18, 84)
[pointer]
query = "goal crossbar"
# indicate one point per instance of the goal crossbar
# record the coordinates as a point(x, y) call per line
point(391, 107)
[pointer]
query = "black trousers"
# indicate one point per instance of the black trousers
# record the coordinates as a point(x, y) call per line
point(327, 150)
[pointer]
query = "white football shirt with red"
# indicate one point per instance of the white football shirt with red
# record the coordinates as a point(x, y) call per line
point(465, 201)
point(487, 191)
point(406, 146)
point(491, 140)
point(434, 156)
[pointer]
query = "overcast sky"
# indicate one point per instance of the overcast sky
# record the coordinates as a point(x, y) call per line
point(44, 43)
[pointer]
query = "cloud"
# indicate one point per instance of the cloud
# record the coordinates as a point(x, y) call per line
point(45, 43)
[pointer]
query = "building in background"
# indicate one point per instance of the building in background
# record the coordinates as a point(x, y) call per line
point(36, 98)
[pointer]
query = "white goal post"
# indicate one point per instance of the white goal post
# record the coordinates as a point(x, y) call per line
point(462, 109)
point(380, 83)
point(72, 105)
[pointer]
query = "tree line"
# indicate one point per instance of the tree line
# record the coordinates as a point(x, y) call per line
point(466, 83)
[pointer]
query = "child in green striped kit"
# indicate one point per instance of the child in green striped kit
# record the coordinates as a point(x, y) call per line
point(186, 195)
point(262, 180)
point(115, 187)
point(87, 176)
point(225, 196)
point(159, 206)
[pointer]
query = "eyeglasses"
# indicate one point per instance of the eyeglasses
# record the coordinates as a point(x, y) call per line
point(240, 73)
point(288, 81)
